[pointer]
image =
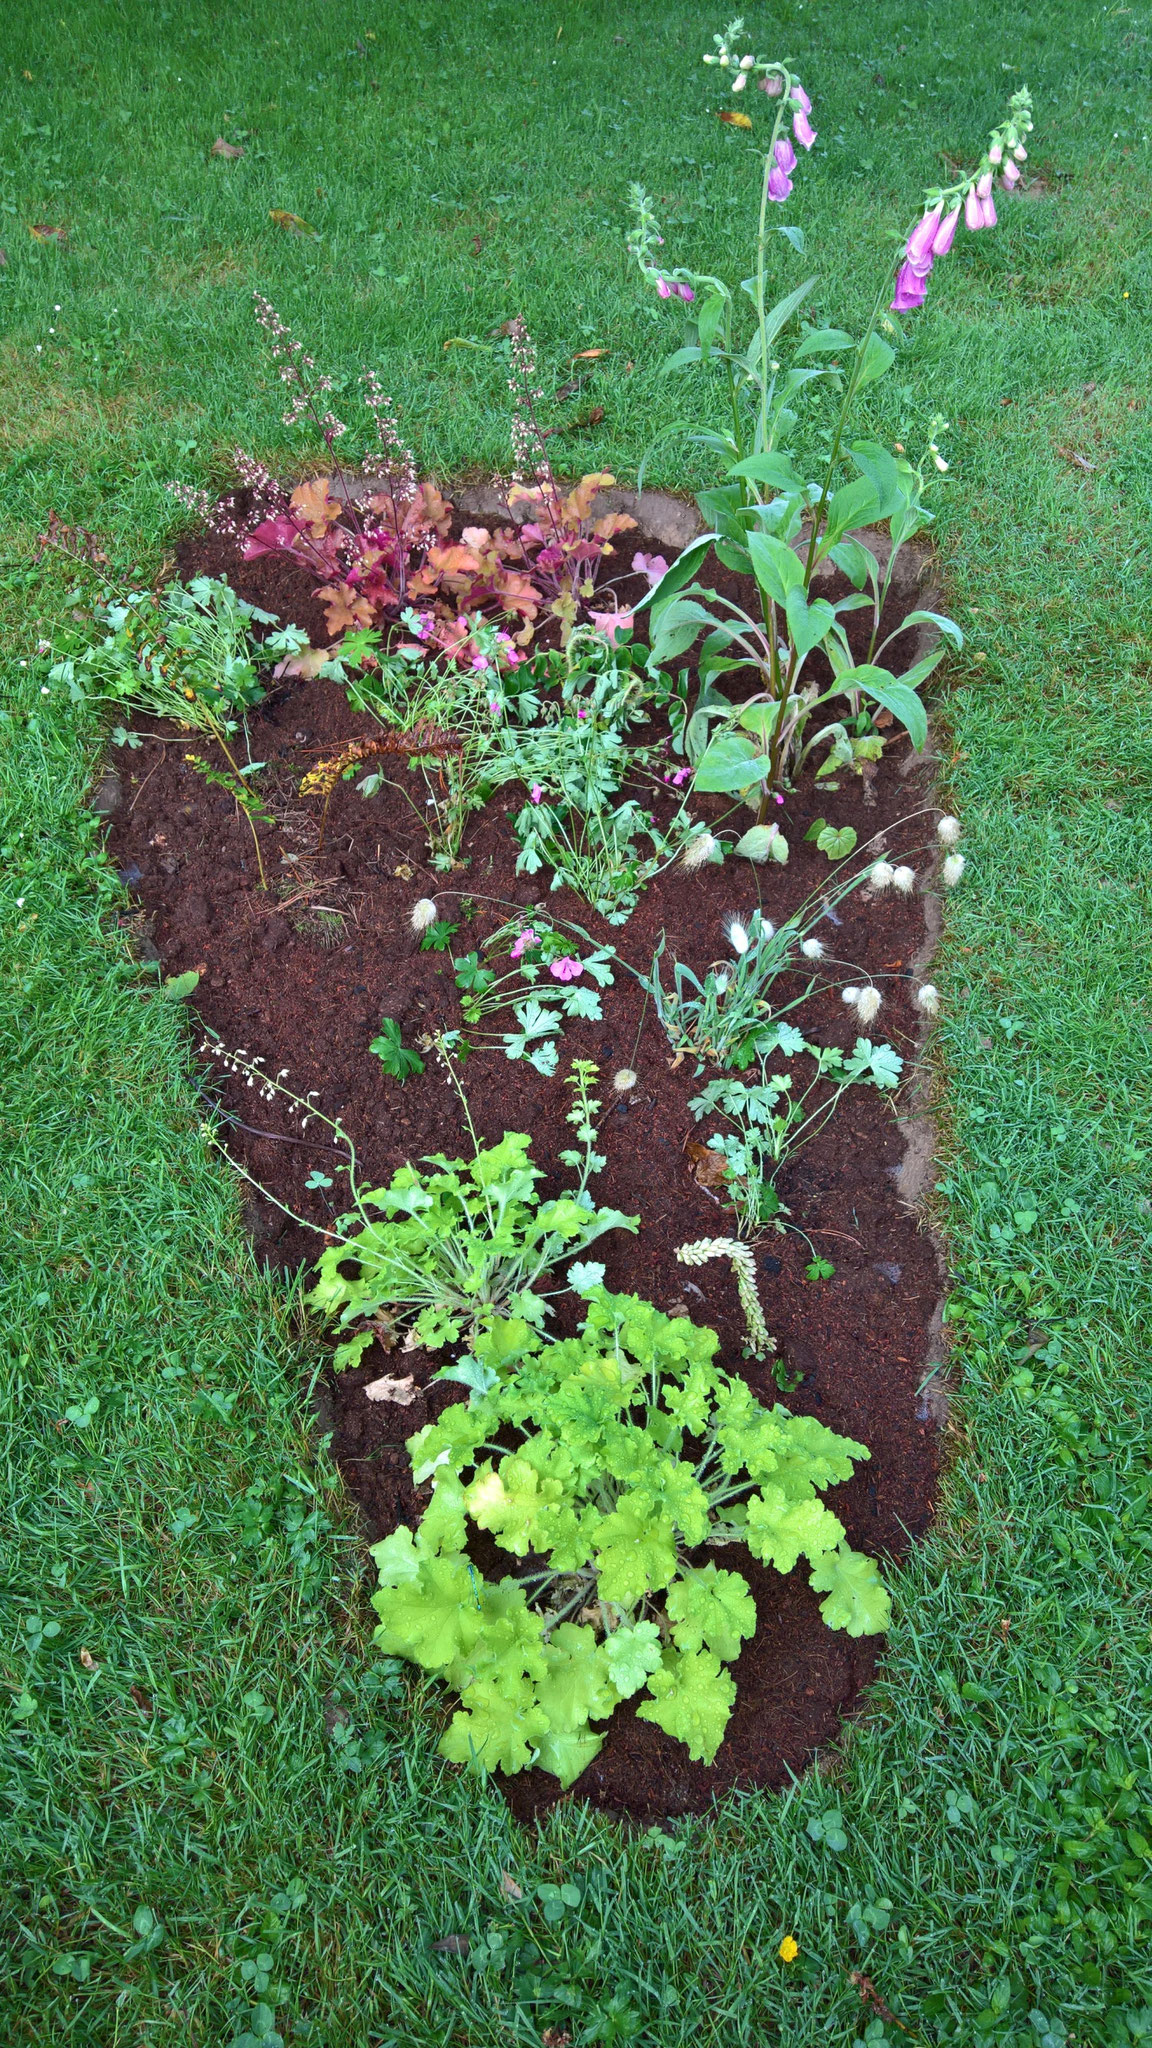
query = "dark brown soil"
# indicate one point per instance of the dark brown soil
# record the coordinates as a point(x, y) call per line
point(305, 984)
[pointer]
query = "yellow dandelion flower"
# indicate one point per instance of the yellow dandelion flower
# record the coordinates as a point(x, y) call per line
point(788, 1950)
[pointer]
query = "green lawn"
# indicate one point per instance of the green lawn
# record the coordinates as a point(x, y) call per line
point(221, 1822)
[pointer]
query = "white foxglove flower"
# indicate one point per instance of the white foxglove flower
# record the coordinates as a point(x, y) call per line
point(624, 1080)
point(948, 831)
point(812, 949)
point(423, 914)
point(928, 999)
point(700, 850)
point(867, 1004)
point(737, 937)
point(952, 870)
point(904, 879)
point(883, 875)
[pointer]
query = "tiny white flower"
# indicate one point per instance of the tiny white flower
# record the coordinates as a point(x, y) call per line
point(423, 914)
point(940, 463)
point(44, 690)
point(43, 647)
point(850, 996)
point(952, 870)
point(948, 831)
point(928, 999)
point(624, 1080)
point(867, 1004)
point(19, 903)
point(904, 879)
point(812, 949)
point(737, 937)
point(883, 875)
point(699, 850)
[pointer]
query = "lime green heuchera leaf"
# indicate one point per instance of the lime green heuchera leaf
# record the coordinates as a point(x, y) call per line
point(500, 1725)
point(451, 1441)
point(397, 1559)
point(781, 1530)
point(631, 1652)
point(443, 1526)
point(576, 1687)
point(635, 1554)
point(433, 1619)
point(509, 1163)
point(567, 1752)
point(711, 1609)
point(690, 1405)
point(508, 1502)
point(857, 1600)
point(692, 1699)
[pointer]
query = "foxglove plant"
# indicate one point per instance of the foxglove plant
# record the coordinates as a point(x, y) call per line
point(767, 520)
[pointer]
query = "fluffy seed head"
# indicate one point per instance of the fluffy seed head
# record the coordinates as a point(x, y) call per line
point(851, 996)
point(699, 850)
point(423, 914)
point(812, 949)
point(624, 1080)
point(928, 999)
point(867, 1004)
point(738, 937)
point(904, 879)
point(883, 875)
point(952, 870)
point(948, 831)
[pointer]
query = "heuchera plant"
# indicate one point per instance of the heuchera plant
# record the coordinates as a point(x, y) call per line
point(767, 519)
point(607, 1466)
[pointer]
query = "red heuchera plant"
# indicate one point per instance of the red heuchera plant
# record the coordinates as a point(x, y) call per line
point(374, 559)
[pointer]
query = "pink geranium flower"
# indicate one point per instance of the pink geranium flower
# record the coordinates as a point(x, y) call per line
point(566, 969)
point(612, 623)
point(527, 938)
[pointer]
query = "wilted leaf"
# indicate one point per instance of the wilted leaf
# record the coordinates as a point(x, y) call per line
point(307, 664)
point(709, 1168)
point(589, 355)
point(452, 1945)
point(41, 232)
point(88, 1661)
point(735, 119)
point(290, 222)
point(402, 1392)
point(228, 149)
point(509, 1886)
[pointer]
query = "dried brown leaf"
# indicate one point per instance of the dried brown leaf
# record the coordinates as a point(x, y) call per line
point(402, 1392)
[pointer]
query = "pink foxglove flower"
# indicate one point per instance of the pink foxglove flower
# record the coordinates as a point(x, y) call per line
point(973, 210)
point(911, 289)
point(996, 154)
point(921, 243)
point(946, 232)
point(799, 94)
point(527, 938)
point(984, 185)
point(785, 155)
point(664, 288)
point(803, 130)
point(779, 186)
point(773, 85)
point(566, 969)
point(1011, 175)
point(989, 211)
point(536, 792)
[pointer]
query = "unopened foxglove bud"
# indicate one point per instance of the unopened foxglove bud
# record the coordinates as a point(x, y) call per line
point(952, 870)
point(740, 81)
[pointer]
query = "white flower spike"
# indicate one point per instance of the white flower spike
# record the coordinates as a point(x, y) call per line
point(700, 850)
point(738, 937)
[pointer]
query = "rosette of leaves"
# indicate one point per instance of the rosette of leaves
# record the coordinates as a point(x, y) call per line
point(457, 1246)
point(607, 1465)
